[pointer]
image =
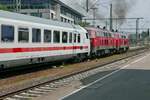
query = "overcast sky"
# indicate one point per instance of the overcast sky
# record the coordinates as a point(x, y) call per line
point(139, 8)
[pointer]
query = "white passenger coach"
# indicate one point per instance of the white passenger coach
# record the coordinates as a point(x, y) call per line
point(28, 40)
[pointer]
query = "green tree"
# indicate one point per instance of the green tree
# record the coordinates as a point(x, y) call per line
point(2, 7)
point(84, 24)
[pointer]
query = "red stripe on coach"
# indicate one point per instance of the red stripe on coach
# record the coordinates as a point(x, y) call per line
point(19, 50)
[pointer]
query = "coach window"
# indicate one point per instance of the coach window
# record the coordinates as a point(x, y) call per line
point(70, 38)
point(47, 35)
point(87, 36)
point(107, 34)
point(79, 38)
point(36, 35)
point(7, 33)
point(75, 38)
point(56, 36)
point(110, 35)
point(23, 35)
point(99, 34)
point(96, 33)
point(64, 37)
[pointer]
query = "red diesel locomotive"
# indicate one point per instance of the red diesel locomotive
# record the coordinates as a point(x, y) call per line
point(107, 42)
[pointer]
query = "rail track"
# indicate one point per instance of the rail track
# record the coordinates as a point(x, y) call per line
point(40, 88)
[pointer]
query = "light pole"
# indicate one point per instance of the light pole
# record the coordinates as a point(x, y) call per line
point(18, 5)
point(87, 5)
point(111, 20)
point(137, 29)
point(94, 15)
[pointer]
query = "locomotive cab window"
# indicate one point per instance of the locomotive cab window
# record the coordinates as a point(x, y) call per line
point(47, 35)
point(23, 34)
point(56, 36)
point(64, 37)
point(7, 33)
point(36, 35)
point(97, 33)
point(102, 34)
point(110, 35)
point(105, 35)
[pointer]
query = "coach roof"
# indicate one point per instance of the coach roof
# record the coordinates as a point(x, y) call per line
point(22, 17)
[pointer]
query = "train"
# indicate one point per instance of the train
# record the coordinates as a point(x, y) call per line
point(106, 42)
point(26, 40)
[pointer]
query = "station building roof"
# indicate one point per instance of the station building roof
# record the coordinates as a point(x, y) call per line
point(65, 5)
point(41, 2)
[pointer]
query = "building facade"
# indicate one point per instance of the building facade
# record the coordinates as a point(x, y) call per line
point(49, 9)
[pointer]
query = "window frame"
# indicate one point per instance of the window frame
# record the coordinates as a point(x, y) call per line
point(70, 37)
point(48, 30)
point(1, 40)
point(87, 36)
point(57, 42)
point(28, 34)
point(36, 35)
point(79, 38)
point(64, 32)
point(75, 38)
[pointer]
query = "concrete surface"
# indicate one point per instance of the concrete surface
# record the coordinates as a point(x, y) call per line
point(132, 82)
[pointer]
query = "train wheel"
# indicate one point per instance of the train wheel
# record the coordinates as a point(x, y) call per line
point(2, 67)
point(80, 58)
